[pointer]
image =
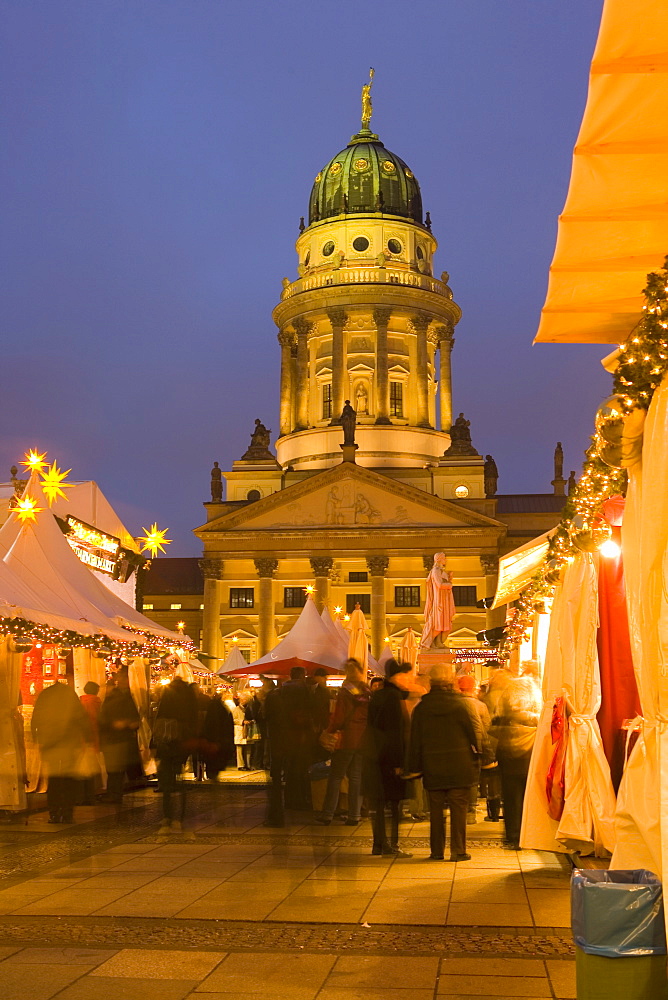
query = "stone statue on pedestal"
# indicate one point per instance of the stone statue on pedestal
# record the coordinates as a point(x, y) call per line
point(460, 438)
point(491, 474)
point(258, 450)
point(216, 484)
point(348, 422)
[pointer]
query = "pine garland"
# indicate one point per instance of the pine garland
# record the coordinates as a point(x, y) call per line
point(642, 365)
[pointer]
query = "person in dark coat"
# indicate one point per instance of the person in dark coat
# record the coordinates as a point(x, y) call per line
point(118, 724)
point(297, 739)
point(174, 733)
point(218, 737)
point(322, 703)
point(61, 729)
point(446, 741)
point(385, 757)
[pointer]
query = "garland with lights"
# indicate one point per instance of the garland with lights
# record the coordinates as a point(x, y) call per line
point(643, 362)
point(24, 631)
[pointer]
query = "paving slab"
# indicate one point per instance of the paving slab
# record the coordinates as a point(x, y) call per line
point(36, 981)
point(490, 915)
point(247, 974)
point(497, 986)
point(562, 978)
point(91, 988)
point(158, 964)
point(387, 971)
point(61, 956)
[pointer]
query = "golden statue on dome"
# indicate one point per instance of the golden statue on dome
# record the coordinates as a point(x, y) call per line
point(367, 107)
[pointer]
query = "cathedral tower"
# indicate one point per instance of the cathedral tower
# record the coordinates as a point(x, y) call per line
point(366, 320)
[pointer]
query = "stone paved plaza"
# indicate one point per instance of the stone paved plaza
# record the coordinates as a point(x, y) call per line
point(104, 908)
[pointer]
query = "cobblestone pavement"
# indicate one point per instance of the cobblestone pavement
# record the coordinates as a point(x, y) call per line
point(107, 908)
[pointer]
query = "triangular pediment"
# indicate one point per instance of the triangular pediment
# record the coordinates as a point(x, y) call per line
point(349, 495)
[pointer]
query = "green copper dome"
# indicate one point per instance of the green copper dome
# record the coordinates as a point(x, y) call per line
point(365, 178)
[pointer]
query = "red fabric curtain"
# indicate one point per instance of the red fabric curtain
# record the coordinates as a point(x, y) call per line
point(619, 693)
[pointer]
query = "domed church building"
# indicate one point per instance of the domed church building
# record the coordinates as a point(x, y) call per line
point(358, 508)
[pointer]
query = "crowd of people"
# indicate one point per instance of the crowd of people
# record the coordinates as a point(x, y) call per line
point(402, 745)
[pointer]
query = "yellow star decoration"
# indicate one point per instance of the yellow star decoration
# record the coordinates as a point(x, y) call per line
point(26, 509)
point(154, 540)
point(34, 460)
point(52, 483)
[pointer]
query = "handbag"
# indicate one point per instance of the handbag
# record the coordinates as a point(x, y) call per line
point(330, 741)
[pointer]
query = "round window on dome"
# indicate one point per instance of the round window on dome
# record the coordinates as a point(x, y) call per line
point(419, 252)
point(361, 164)
point(461, 492)
point(328, 248)
point(253, 495)
point(389, 167)
point(394, 246)
point(335, 168)
point(360, 243)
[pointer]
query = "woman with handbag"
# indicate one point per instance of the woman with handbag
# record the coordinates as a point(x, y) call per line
point(345, 735)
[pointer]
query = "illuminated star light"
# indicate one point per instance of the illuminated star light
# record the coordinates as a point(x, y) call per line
point(34, 460)
point(53, 485)
point(154, 540)
point(26, 509)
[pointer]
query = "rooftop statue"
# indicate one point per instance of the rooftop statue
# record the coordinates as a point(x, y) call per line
point(491, 474)
point(367, 107)
point(259, 446)
point(216, 484)
point(460, 438)
point(348, 422)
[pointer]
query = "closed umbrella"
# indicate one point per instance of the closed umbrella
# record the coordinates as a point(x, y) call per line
point(358, 647)
point(408, 649)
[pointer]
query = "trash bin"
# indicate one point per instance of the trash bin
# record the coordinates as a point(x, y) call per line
point(619, 915)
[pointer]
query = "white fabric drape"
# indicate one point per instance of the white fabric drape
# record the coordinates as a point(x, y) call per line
point(572, 672)
point(12, 752)
point(139, 678)
point(642, 805)
point(88, 667)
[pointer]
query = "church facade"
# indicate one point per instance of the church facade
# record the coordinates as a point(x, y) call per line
point(365, 326)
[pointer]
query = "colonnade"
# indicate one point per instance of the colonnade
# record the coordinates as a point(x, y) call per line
point(295, 375)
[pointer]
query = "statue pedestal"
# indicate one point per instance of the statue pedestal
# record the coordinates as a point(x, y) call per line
point(428, 658)
point(349, 452)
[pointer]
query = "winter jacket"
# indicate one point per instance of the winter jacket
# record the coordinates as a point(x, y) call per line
point(386, 742)
point(446, 740)
point(350, 714)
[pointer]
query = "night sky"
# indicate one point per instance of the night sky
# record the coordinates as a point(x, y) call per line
point(155, 160)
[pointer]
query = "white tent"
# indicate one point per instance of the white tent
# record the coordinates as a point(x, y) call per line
point(309, 644)
point(338, 633)
point(39, 554)
point(386, 655)
point(234, 661)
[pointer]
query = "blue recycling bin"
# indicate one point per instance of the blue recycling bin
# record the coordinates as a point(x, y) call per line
point(619, 915)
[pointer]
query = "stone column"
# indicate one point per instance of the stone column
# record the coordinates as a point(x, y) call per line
point(265, 626)
point(490, 567)
point(377, 566)
point(212, 571)
point(301, 389)
point(446, 343)
point(321, 567)
point(286, 340)
point(337, 317)
point(381, 318)
point(420, 324)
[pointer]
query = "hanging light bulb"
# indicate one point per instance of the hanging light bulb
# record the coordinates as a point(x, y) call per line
point(609, 549)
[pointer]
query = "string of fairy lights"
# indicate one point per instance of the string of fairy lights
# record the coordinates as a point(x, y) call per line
point(616, 444)
point(26, 509)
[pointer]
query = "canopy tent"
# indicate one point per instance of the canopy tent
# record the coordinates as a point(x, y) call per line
point(308, 644)
point(336, 630)
point(39, 554)
point(517, 567)
point(234, 661)
point(612, 231)
point(385, 655)
point(88, 503)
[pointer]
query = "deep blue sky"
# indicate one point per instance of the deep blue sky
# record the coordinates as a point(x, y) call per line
point(155, 160)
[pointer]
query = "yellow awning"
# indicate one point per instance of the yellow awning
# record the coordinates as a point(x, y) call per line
point(614, 227)
point(517, 567)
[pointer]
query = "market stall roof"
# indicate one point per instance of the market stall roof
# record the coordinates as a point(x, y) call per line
point(234, 661)
point(517, 567)
point(40, 555)
point(339, 634)
point(309, 644)
point(614, 227)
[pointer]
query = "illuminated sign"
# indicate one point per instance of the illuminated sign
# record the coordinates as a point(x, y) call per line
point(93, 547)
